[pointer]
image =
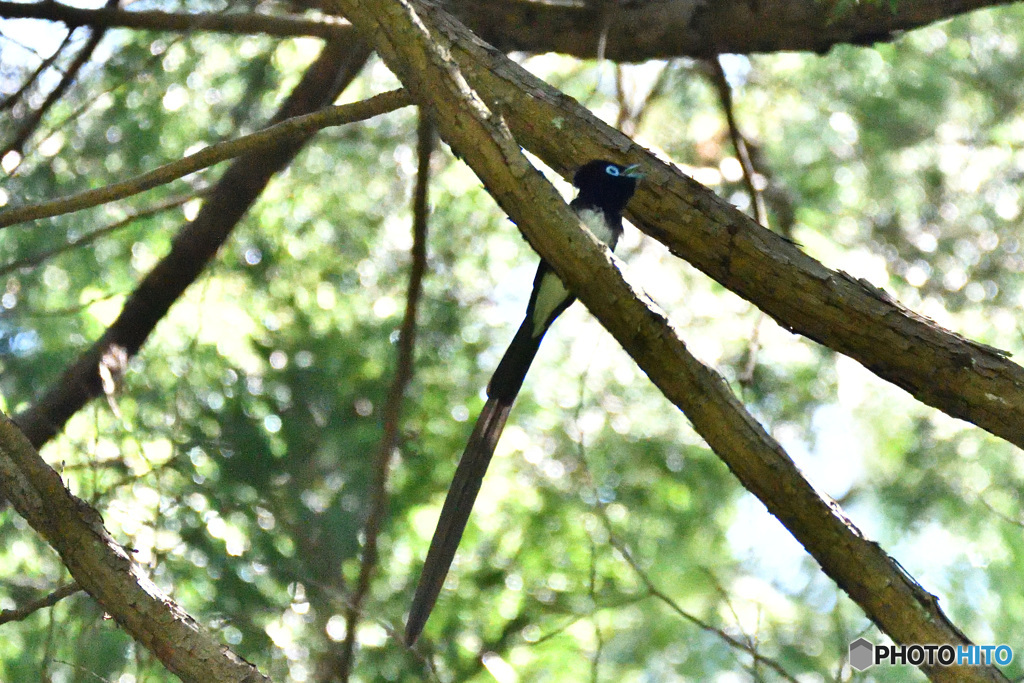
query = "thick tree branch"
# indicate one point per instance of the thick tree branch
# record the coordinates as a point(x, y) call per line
point(106, 571)
point(297, 128)
point(962, 378)
point(409, 39)
point(658, 29)
point(636, 31)
point(194, 246)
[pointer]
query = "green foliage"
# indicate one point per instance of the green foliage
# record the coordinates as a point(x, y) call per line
point(239, 468)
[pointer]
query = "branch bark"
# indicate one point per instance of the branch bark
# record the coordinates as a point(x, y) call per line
point(106, 571)
point(659, 29)
point(418, 44)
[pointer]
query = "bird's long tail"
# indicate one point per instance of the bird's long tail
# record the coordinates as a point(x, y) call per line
point(502, 391)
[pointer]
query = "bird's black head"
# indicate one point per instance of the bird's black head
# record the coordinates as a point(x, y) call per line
point(606, 184)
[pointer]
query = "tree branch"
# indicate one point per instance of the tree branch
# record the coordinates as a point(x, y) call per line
point(106, 571)
point(297, 128)
point(90, 237)
point(152, 20)
point(638, 31)
point(194, 245)
point(28, 126)
point(31, 608)
point(12, 99)
point(739, 142)
point(417, 43)
point(652, 588)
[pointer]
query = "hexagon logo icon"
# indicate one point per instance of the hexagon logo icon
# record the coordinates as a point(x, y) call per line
point(862, 654)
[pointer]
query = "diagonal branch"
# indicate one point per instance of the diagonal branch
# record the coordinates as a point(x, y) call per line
point(31, 608)
point(106, 570)
point(652, 588)
point(193, 247)
point(15, 97)
point(418, 44)
point(962, 378)
point(90, 237)
point(739, 142)
point(296, 128)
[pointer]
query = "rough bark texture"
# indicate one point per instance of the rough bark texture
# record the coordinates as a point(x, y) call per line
point(962, 378)
point(418, 44)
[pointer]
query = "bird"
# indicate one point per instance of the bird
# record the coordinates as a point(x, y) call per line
point(604, 190)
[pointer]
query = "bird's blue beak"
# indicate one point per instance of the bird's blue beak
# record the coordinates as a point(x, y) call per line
point(633, 172)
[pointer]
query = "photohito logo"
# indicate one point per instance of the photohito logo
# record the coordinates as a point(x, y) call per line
point(864, 654)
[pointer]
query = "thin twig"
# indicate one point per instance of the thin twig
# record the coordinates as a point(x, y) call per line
point(32, 121)
point(393, 406)
point(64, 310)
point(739, 143)
point(22, 613)
point(595, 661)
point(82, 669)
point(652, 588)
point(13, 98)
point(654, 591)
point(41, 257)
point(629, 118)
point(291, 129)
point(90, 98)
point(243, 23)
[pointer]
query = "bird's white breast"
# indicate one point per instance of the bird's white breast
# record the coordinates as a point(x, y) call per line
point(595, 221)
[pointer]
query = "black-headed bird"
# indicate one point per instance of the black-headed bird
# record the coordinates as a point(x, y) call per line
point(604, 189)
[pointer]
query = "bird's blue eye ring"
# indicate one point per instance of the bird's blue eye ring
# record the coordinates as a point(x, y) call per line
point(611, 170)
